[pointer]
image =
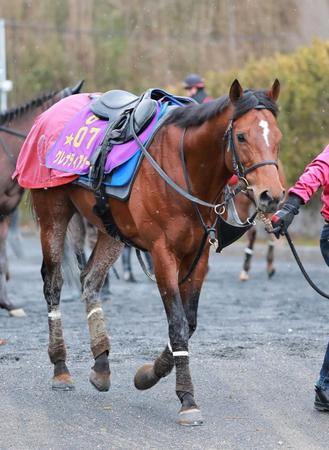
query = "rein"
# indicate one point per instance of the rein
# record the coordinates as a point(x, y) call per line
point(5, 148)
point(269, 229)
point(300, 265)
point(13, 132)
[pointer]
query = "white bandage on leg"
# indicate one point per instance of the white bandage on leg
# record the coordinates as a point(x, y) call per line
point(54, 315)
point(180, 353)
point(248, 251)
point(94, 310)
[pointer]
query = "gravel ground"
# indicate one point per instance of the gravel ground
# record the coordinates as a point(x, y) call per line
point(255, 356)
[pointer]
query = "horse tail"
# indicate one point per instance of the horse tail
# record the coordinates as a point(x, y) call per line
point(30, 206)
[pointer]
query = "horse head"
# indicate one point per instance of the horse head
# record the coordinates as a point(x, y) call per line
point(253, 139)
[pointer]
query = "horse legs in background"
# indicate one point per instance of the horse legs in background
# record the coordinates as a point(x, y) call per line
point(74, 252)
point(126, 265)
point(181, 305)
point(105, 253)
point(79, 230)
point(149, 262)
point(4, 272)
point(251, 235)
point(270, 257)
point(92, 235)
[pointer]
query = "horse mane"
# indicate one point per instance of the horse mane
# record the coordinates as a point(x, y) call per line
point(195, 115)
point(20, 110)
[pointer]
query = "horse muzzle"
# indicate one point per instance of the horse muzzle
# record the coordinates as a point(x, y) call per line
point(267, 203)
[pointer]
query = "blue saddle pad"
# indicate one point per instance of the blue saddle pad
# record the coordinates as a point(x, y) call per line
point(122, 174)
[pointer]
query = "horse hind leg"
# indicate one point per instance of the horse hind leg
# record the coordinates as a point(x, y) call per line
point(54, 212)
point(103, 256)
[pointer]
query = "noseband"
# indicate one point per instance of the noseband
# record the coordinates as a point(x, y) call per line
point(237, 165)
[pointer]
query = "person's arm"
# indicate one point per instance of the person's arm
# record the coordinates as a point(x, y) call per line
point(315, 175)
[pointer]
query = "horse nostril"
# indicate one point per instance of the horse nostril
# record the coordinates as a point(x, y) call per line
point(266, 198)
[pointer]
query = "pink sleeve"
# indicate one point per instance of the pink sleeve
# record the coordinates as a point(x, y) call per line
point(315, 175)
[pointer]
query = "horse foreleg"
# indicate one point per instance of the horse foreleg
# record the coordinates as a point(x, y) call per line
point(103, 256)
point(190, 293)
point(176, 352)
point(248, 252)
point(270, 258)
point(54, 214)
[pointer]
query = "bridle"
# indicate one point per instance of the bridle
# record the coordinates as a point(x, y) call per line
point(237, 165)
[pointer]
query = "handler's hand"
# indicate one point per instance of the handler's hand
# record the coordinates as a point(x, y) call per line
point(282, 219)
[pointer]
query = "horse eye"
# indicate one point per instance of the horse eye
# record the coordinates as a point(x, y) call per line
point(241, 137)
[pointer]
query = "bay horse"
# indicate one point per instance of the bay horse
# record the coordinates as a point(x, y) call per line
point(200, 147)
point(243, 204)
point(15, 123)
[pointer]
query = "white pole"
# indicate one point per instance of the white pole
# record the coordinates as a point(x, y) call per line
point(5, 85)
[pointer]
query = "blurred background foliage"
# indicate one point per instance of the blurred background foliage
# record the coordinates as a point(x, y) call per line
point(304, 99)
point(137, 44)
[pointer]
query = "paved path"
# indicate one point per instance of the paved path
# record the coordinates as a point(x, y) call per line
point(255, 357)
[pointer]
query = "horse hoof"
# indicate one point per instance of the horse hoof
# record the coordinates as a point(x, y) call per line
point(63, 382)
point(270, 273)
point(244, 276)
point(17, 312)
point(145, 377)
point(101, 381)
point(190, 417)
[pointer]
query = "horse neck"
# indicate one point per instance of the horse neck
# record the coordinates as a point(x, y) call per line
point(205, 158)
point(23, 123)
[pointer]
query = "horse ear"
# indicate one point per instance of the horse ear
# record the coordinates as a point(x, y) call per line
point(274, 92)
point(236, 91)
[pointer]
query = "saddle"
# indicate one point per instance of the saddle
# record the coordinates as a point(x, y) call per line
point(118, 104)
point(128, 115)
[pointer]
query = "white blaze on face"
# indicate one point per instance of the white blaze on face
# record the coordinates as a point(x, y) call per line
point(266, 131)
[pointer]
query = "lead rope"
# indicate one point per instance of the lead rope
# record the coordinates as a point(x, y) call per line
point(300, 265)
point(269, 228)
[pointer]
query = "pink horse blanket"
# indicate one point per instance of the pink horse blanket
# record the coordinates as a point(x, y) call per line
point(31, 171)
point(62, 141)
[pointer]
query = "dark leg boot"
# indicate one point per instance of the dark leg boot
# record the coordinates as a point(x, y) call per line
point(321, 402)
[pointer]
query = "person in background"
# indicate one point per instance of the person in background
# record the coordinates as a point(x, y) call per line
point(195, 88)
point(315, 176)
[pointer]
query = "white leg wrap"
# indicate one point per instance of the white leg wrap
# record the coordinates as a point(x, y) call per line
point(54, 315)
point(248, 251)
point(94, 311)
point(180, 353)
